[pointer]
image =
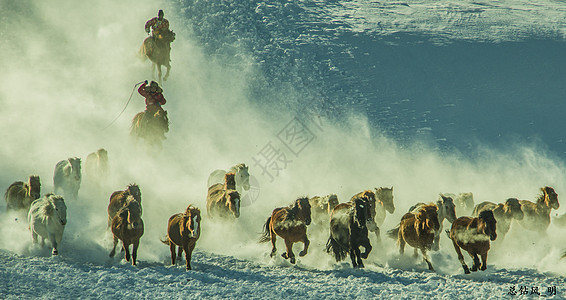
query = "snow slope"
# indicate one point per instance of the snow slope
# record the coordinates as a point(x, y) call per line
point(428, 97)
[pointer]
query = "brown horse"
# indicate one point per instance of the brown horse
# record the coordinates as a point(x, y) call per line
point(418, 230)
point(151, 127)
point(348, 231)
point(473, 235)
point(20, 195)
point(223, 200)
point(537, 215)
point(158, 50)
point(290, 223)
point(183, 230)
point(504, 214)
point(321, 207)
point(127, 226)
point(119, 198)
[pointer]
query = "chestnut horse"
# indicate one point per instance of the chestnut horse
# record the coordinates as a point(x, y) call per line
point(290, 223)
point(446, 210)
point(504, 213)
point(418, 229)
point(118, 200)
point(348, 231)
point(183, 230)
point(20, 195)
point(158, 50)
point(473, 235)
point(321, 207)
point(223, 200)
point(128, 227)
point(537, 215)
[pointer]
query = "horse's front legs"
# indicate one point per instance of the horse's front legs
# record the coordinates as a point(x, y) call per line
point(355, 257)
point(461, 257)
point(189, 254)
point(476, 264)
point(172, 248)
point(427, 259)
point(167, 73)
point(289, 254)
point(367, 248)
point(135, 252)
point(483, 261)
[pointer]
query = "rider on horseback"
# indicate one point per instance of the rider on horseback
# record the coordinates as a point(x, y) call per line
point(159, 24)
point(153, 96)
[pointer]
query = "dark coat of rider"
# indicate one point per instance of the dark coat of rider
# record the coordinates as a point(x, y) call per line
point(157, 24)
point(153, 96)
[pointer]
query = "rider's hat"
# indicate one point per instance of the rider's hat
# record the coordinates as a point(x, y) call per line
point(154, 87)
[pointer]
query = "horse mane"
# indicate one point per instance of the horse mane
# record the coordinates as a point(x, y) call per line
point(423, 210)
point(230, 181)
point(293, 209)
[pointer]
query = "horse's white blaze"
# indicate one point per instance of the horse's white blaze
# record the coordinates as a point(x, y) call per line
point(195, 225)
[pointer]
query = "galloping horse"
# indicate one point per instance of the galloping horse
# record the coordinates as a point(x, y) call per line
point(504, 213)
point(464, 202)
point(223, 200)
point(20, 195)
point(348, 231)
point(183, 231)
point(321, 208)
point(152, 129)
point(473, 235)
point(67, 178)
point(158, 50)
point(127, 226)
point(537, 215)
point(446, 210)
point(418, 230)
point(241, 175)
point(290, 223)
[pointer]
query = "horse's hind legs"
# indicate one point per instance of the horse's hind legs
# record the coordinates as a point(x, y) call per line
point(173, 252)
point(113, 252)
point(273, 240)
point(476, 262)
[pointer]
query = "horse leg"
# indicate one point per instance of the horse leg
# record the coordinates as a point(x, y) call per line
point(135, 252)
point(367, 248)
point(126, 248)
point(476, 264)
point(172, 247)
point(427, 259)
point(353, 257)
point(378, 235)
point(401, 241)
point(113, 252)
point(357, 254)
point(436, 242)
point(159, 73)
point(167, 73)
point(483, 261)
point(306, 242)
point(53, 240)
point(188, 254)
point(180, 252)
point(461, 257)
point(273, 236)
point(289, 254)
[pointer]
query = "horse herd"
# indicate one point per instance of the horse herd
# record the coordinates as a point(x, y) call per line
point(347, 224)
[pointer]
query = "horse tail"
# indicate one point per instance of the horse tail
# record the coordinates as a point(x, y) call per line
point(338, 250)
point(266, 234)
point(166, 241)
point(393, 233)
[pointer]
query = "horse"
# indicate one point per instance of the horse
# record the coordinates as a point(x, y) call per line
point(290, 223)
point(96, 166)
point(321, 207)
point(150, 126)
point(464, 202)
point(418, 229)
point(446, 210)
point(473, 235)
point(67, 178)
point(20, 195)
point(47, 218)
point(537, 215)
point(371, 224)
point(242, 177)
point(504, 213)
point(158, 50)
point(119, 198)
point(127, 226)
point(348, 231)
point(183, 230)
point(223, 200)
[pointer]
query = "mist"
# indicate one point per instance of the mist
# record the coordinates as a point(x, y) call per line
point(68, 70)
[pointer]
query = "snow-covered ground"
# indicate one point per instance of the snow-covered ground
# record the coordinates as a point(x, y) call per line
point(425, 96)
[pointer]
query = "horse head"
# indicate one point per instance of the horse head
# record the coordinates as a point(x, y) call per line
point(331, 202)
point(512, 208)
point(242, 176)
point(102, 156)
point(488, 224)
point(190, 224)
point(134, 190)
point(550, 197)
point(56, 208)
point(233, 202)
point(427, 216)
point(362, 214)
point(230, 181)
point(446, 208)
point(385, 195)
point(34, 185)
point(303, 208)
point(133, 207)
point(75, 168)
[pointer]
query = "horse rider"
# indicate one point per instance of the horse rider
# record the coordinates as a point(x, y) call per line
point(153, 99)
point(158, 25)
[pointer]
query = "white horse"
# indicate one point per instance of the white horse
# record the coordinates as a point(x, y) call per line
point(242, 177)
point(464, 203)
point(67, 178)
point(47, 218)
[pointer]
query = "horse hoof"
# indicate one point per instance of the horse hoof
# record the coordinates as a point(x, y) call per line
point(284, 255)
point(364, 255)
point(292, 260)
point(55, 252)
point(302, 253)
